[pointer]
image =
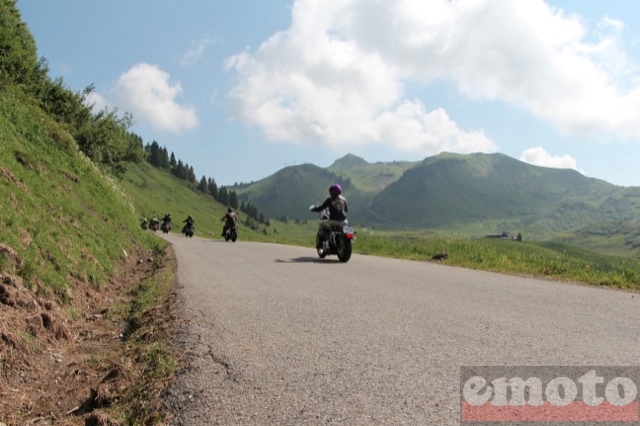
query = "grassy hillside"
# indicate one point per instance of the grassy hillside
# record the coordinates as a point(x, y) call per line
point(156, 192)
point(451, 191)
point(70, 245)
point(61, 216)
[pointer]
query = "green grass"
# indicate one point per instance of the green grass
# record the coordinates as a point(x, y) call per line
point(150, 345)
point(537, 259)
point(62, 217)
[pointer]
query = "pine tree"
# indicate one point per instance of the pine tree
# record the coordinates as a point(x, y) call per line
point(213, 188)
point(202, 186)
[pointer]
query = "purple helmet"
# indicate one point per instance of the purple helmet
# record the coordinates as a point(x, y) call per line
point(335, 190)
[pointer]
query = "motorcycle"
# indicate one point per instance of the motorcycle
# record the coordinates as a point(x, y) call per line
point(155, 225)
point(231, 233)
point(189, 230)
point(165, 227)
point(340, 239)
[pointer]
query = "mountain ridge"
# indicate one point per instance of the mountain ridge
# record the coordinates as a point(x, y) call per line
point(467, 194)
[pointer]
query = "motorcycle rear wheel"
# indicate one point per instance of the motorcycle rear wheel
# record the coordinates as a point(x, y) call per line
point(344, 249)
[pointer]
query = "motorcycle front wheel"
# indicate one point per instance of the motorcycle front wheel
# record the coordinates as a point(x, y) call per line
point(321, 252)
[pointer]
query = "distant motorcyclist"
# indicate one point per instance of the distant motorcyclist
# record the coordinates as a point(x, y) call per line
point(338, 210)
point(155, 223)
point(189, 221)
point(166, 222)
point(230, 219)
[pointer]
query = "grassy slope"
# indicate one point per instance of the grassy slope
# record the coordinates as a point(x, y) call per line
point(553, 260)
point(452, 189)
point(155, 191)
point(59, 213)
point(65, 228)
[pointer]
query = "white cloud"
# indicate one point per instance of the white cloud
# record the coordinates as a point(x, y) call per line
point(339, 74)
point(146, 92)
point(315, 83)
point(538, 58)
point(196, 50)
point(540, 157)
point(415, 130)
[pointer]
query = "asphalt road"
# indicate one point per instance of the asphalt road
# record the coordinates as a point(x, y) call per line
point(275, 335)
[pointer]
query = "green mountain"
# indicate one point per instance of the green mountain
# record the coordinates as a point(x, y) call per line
point(348, 162)
point(470, 194)
point(291, 191)
point(367, 177)
point(453, 191)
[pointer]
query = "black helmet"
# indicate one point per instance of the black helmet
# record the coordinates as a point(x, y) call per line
point(229, 210)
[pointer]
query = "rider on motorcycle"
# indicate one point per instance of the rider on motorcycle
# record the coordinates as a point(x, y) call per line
point(338, 209)
point(155, 223)
point(166, 221)
point(229, 219)
point(189, 221)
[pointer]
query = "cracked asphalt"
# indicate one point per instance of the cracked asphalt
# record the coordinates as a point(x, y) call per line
point(276, 336)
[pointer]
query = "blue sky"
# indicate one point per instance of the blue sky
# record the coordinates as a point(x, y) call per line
point(239, 89)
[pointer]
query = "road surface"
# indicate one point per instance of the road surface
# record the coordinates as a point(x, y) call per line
point(275, 335)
